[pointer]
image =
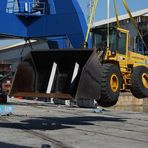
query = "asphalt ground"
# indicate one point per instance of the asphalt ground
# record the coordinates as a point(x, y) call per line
point(34, 124)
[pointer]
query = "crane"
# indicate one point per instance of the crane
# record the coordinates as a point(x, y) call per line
point(43, 18)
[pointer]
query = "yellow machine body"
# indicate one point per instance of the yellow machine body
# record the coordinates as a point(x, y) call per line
point(100, 73)
point(126, 61)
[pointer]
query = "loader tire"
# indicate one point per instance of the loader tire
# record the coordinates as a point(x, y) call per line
point(110, 85)
point(139, 80)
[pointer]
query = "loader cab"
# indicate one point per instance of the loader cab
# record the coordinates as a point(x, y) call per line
point(118, 40)
point(100, 38)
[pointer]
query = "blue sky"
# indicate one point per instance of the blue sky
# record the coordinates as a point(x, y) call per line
point(101, 12)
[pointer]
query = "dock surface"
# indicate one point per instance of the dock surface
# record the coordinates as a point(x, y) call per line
point(37, 124)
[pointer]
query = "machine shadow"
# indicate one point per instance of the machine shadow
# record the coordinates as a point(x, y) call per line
point(9, 145)
point(56, 123)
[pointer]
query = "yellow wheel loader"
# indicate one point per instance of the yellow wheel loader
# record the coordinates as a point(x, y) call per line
point(100, 73)
point(122, 69)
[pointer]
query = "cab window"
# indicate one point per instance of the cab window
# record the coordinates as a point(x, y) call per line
point(122, 43)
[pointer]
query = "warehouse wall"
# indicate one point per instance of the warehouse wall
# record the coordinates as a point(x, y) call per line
point(13, 55)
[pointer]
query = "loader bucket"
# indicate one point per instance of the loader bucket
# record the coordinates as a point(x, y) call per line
point(59, 73)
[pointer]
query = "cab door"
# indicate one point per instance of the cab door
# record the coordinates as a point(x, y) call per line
point(122, 46)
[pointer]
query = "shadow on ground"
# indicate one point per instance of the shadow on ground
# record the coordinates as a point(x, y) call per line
point(8, 145)
point(55, 123)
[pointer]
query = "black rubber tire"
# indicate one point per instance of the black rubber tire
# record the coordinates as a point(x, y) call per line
point(137, 88)
point(108, 96)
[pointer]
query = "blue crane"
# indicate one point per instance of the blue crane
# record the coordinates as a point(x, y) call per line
point(43, 18)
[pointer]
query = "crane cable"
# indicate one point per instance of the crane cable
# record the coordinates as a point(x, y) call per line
point(134, 23)
point(116, 12)
point(90, 22)
point(108, 24)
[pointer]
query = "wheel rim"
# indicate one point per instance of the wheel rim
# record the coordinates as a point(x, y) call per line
point(114, 83)
point(145, 80)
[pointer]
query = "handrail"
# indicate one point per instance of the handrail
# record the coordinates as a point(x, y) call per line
point(27, 7)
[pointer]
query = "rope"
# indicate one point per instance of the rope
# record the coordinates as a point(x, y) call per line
point(116, 12)
point(134, 22)
point(90, 22)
